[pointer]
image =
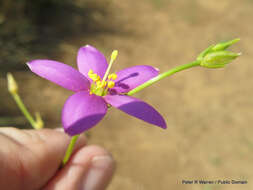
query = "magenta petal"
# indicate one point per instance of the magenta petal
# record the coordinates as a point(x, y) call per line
point(82, 111)
point(136, 108)
point(90, 58)
point(59, 73)
point(132, 77)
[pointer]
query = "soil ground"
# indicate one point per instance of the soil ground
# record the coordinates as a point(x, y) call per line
point(208, 112)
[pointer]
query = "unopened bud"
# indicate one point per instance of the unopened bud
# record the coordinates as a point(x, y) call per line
point(218, 59)
point(39, 121)
point(224, 45)
point(12, 85)
point(203, 53)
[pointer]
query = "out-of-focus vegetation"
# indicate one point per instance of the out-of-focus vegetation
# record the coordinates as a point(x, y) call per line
point(32, 27)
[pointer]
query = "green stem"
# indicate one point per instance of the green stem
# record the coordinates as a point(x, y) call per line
point(69, 149)
point(163, 75)
point(24, 110)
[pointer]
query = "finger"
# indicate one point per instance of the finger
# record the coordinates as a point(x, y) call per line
point(31, 157)
point(90, 168)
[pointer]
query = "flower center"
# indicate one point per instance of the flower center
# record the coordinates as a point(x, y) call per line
point(100, 87)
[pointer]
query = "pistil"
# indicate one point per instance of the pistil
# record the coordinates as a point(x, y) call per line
point(113, 57)
point(100, 87)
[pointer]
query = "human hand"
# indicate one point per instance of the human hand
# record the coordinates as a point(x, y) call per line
point(30, 160)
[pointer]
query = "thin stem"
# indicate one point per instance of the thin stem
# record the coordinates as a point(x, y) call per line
point(24, 110)
point(163, 75)
point(69, 149)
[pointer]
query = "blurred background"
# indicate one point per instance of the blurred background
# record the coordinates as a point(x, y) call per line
point(208, 112)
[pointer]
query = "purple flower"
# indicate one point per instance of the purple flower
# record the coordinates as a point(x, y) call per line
point(94, 89)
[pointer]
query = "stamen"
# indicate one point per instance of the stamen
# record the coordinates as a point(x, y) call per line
point(90, 72)
point(93, 76)
point(112, 76)
point(111, 84)
point(96, 78)
point(100, 87)
point(101, 84)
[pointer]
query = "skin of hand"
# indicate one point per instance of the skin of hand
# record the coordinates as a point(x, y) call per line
point(30, 160)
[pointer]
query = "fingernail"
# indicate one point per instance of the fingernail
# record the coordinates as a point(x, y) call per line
point(97, 175)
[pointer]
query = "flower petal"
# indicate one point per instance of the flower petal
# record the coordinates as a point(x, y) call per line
point(136, 108)
point(132, 77)
point(90, 58)
point(82, 111)
point(59, 73)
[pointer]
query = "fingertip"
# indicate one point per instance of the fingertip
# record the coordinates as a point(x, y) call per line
point(101, 170)
point(90, 168)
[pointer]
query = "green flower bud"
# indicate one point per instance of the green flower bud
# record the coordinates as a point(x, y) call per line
point(203, 53)
point(12, 85)
point(39, 122)
point(218, 59)
point(224, 45)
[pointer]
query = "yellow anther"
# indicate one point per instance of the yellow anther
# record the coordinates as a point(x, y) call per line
point(111, 84)
point(101, 84)
point(98, 83)
point(93, 76)
point(112, 76)
point(97, 78)
point(114, 55)
point(90, 72)
point(104, 83)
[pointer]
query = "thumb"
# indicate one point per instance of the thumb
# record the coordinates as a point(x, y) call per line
point(90, 168)
point(31, 157)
